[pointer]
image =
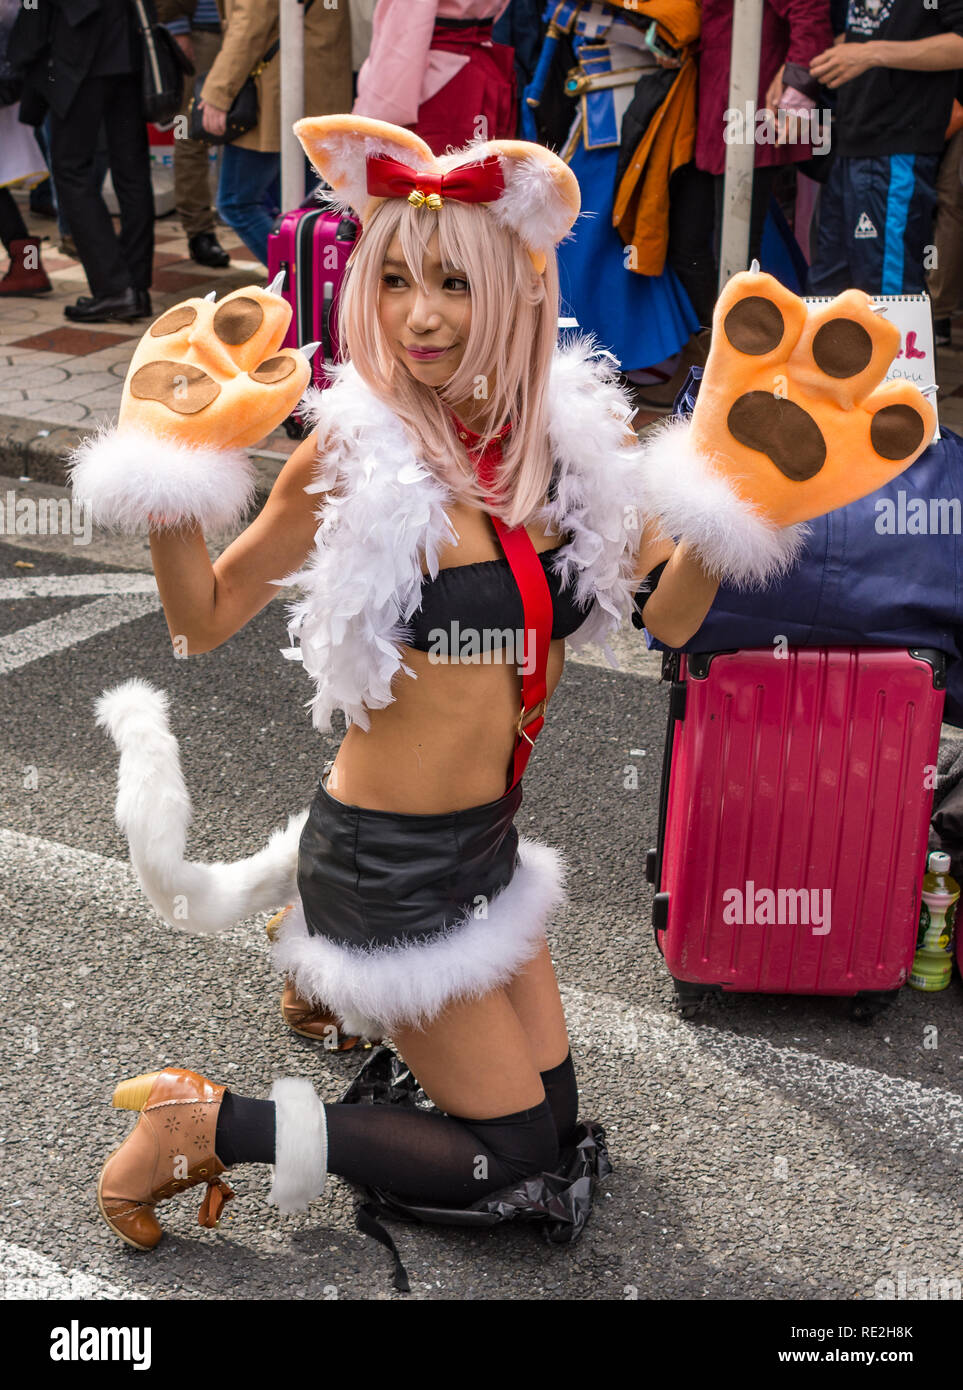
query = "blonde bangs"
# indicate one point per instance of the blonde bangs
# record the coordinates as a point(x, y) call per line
point(508, 353)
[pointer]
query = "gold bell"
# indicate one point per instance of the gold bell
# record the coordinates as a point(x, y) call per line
point(418, 199)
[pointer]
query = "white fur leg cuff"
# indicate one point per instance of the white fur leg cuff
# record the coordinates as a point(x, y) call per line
point(127, 476)
point(301, 1145)
point(697, 504)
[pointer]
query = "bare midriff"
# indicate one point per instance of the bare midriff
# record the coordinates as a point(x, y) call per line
point(445, 743)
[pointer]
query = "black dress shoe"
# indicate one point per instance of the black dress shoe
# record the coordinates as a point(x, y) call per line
point(207, 250)
point(106, 308)
point(143, 303)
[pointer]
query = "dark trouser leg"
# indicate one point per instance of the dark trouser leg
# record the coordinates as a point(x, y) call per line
point(690, 253)
point(830, 271)
point(12, 225)
point(945, 280)
point(73, 142)
point(130, 170)
point(912, 209)
point(762, 181)
point(193, 195)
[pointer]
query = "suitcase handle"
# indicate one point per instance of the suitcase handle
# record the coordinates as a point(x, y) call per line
point(671, 671)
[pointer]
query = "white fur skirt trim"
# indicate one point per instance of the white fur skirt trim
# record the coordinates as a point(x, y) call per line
point(125, 476)
point(374, 990)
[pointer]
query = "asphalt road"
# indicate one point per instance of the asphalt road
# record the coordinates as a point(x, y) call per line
point(770, 1149)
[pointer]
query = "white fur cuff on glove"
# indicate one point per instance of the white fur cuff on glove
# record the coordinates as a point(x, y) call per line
point(127, 477)
point(696, 504)
point(301, 1145)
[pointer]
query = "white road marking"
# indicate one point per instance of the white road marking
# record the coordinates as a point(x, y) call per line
point(664, 1043)
point(77, 585)
point(628, 643)
point(108, 886)
point(889, 1105)
point(25, 1274)
point(67, 629)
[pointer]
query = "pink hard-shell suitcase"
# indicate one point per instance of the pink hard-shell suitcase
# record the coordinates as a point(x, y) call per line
point(793, 820)
point(312, 245)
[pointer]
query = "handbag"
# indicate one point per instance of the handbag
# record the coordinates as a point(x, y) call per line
point(165, 66)
point(243, 115)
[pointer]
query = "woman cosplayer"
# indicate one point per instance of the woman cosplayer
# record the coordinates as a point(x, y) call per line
point(470, 487)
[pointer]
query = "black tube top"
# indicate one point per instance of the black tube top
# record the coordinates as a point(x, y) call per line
point(472, 608)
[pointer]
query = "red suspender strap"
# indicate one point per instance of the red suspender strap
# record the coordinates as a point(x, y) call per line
point(537, 610)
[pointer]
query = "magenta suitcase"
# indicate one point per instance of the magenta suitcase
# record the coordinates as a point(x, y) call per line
point(784, 780)
point(312, 245)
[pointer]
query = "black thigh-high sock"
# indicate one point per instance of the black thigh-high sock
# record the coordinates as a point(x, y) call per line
point(561, 1092)
point(435, 1158)
point(245, 1130)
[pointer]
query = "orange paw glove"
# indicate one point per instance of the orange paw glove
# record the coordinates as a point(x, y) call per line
point(791, 422)
point(206, 381)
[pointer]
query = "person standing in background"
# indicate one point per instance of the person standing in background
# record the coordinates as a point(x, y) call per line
point(251, 164)
point(433, 68)
point(21, 162)
point(793, 32)
point(196, 28)
point(83, 59)
point(945, 282)
point(893, 72)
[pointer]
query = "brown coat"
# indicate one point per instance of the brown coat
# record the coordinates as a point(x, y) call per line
point(250, 27)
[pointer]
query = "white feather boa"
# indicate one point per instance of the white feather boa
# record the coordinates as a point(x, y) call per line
point(362, 581)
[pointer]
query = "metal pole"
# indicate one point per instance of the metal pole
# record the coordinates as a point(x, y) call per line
point(291, 59)
point(740, 141)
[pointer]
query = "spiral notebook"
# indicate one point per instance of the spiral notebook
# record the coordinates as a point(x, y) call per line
point(916, 359)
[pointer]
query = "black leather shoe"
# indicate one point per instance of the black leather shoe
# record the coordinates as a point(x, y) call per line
point(106, 308)
point(207, 250)
point(143, 303)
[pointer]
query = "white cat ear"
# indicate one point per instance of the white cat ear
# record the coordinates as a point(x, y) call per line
point(542, 198)
point(339, 146)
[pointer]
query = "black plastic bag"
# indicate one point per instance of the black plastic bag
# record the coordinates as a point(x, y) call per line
point(558, 1203)
point(946, 826)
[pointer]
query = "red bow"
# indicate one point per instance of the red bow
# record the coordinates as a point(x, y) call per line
point(469, 183)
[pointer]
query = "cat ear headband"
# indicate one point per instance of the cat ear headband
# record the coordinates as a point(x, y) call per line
point(525, 187)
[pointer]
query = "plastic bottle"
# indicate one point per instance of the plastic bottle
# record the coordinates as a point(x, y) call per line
point(933, 962)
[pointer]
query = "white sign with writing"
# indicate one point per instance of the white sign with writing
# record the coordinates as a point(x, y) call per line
point(916, 359)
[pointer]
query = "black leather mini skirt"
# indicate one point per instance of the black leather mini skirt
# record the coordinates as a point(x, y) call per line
point(383, 879)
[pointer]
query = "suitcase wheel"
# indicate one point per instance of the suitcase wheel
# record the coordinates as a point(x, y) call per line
point(650, 860)
point(688, 997)
point(869, 1004)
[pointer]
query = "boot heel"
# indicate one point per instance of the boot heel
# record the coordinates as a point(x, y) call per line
point(132, 1094)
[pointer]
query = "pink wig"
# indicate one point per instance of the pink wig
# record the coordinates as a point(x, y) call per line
point(507, 356)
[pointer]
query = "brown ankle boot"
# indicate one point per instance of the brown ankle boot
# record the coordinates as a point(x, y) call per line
point(312, 1021)
point(316, 1022)
point(25, 275)
point(170, 1149)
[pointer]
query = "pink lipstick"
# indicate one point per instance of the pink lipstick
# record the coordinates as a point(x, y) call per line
point(425, 354)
